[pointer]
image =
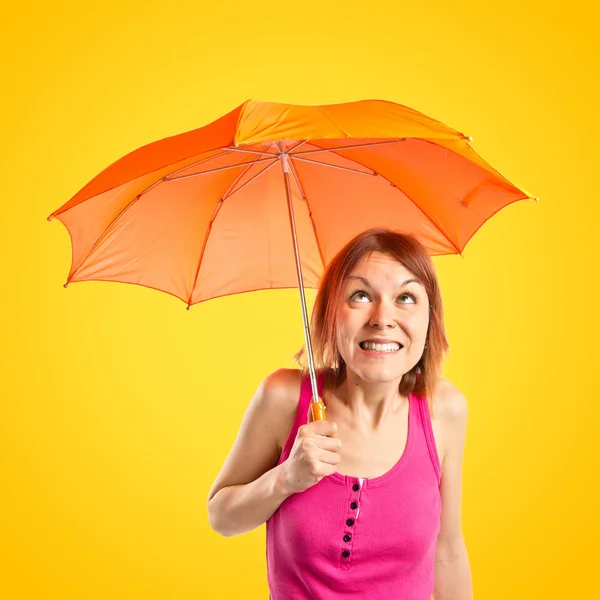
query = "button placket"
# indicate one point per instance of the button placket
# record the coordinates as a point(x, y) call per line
point(351, 517)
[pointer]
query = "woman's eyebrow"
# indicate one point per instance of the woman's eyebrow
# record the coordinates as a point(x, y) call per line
point(366, 282)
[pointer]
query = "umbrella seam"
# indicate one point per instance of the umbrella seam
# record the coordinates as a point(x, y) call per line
point(239, 120)
point(422, 211)
point(214, 217)
point(216, 212)
point(105, 232)
point(334, 122)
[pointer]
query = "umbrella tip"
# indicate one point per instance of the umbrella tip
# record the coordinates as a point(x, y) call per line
point(536, 198)
point(188, 307)
point(49, 218)
point(66, 285)
point(469, 138)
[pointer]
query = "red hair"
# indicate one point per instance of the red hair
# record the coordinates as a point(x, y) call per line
point(421, 380)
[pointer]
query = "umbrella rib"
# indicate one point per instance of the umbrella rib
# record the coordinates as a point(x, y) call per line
point(305, 197)
point(165, 177)
point(297, 146)
point(322, 164)
point(352, 147)
point(145, 191)
point(216, 212)
point(333, 151)
point(225, 197)
point(245, 164)
point(237, 179)
point(374, 173)
point(148, 188)
point(198, 162)
point(297, 181)
point(250, 151)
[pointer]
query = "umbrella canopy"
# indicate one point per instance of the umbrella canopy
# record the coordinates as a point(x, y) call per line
point(265, 196)
point(204, 213)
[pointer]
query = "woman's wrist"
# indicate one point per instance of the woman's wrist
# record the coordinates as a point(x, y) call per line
point(281, 485)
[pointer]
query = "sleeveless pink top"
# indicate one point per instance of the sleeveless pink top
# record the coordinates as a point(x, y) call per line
point(367, 539)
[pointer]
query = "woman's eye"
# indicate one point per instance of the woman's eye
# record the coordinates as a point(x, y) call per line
point(360, 297)
point(409, 295)
point(363, 297)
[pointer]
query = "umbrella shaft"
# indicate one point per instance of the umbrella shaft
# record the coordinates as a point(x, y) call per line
point(309, 354)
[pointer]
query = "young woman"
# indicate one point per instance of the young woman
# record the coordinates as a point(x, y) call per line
point(366, 504)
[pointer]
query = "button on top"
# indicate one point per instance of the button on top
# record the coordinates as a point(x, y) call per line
point(347, 538)
point(350, 522)
point(345, 554)
point(353, 505)
point(356, 487)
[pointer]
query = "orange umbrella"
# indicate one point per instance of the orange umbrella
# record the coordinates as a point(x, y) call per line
point(266, 195)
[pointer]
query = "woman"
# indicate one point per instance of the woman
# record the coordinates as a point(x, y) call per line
point(366, 504)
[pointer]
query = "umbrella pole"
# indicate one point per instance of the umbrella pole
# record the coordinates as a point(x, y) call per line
point(317, 406)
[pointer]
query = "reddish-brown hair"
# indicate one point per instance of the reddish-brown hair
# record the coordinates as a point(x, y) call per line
point(406, 249)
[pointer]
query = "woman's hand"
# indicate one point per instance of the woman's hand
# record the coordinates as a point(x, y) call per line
point(314, 455)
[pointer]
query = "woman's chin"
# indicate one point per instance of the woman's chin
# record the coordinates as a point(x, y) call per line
point(379, 373)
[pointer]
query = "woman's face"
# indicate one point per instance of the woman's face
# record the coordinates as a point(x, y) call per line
point(382, 319)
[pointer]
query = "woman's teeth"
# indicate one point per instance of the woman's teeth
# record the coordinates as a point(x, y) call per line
point(393, 347)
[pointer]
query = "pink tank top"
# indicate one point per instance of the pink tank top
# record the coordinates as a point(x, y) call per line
point(367, 539)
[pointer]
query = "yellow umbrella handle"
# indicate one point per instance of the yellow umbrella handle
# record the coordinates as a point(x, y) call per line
point(317, 410)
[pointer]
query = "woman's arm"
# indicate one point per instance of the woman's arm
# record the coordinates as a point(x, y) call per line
point(452, 570)
point(240, 508)
point(249, 488)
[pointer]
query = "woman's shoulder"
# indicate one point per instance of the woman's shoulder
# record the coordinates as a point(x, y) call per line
point(448, 401)
point(280, 395)
point(281, 390)
point(282, 386)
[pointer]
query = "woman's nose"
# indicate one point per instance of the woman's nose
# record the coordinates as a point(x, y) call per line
point(382, 318)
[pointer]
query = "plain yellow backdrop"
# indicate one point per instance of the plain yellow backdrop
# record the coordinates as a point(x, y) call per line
point(119, 406)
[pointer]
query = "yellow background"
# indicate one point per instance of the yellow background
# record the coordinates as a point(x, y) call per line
point(119, 406)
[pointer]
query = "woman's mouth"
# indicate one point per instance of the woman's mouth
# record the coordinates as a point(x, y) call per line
point(376, 347)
